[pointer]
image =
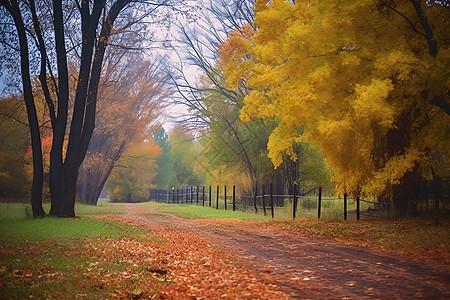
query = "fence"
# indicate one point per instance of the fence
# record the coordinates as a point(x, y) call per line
point(309, 204)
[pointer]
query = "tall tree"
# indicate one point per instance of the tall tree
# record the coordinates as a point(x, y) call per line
point(213, 108)
point(79, 33)
point(184, 151)
point(132, 94)
point(235, 150)
point(164, 161)
point(14, 10)
point(364, 81)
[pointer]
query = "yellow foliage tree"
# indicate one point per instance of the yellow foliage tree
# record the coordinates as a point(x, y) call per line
point(362, 80)
point(131, 179)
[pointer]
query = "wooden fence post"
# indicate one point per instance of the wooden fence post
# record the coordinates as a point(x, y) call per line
point(357, 208)
point(192, 193)
point(217, 203)
point(225, 198)
point(197, 195)
point(264, 200)
point(294, 209)
point(319, 202)
point(203, 195)
point(271, 199)
point(210, 196)
point(345, 206)
point(234, 198)
point(254, 198)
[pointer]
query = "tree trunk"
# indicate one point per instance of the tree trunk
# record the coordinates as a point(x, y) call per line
point(38, 172)
point(99, 189)
point(63, 191)
point(399, 139)
point(90, 186)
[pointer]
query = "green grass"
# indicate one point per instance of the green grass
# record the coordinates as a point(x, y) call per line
point(103, 207)
point(189, 211)
point(23, 210)
point(67, 258)
point(307, 208)
point(63, 230)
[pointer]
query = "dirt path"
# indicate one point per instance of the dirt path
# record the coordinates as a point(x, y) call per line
point(310, 268)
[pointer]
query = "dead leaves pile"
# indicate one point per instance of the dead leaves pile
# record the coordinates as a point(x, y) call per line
point(192, 268)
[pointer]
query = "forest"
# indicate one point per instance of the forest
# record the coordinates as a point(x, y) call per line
point(127, 96)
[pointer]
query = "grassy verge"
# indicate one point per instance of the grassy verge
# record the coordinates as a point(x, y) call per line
point(189, 211)
point(23, 210)
point(52, 258)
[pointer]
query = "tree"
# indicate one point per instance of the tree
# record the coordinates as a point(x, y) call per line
point(360, 80)
point(36, 188)
point(235, 150)
point(164, 161)
point(213, 108)
point(132, 94)
point(131, 178)
point(184, 151)
point(83, 29)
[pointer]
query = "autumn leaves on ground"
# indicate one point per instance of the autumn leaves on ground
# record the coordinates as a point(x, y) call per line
point(108, 253)
point(94, 258)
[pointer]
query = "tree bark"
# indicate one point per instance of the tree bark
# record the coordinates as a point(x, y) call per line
point(92, 185)
point(38, 173)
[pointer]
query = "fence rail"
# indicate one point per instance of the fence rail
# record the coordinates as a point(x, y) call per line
point(432, 196)
point(292, 204)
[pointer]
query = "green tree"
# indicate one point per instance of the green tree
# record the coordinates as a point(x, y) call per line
point(164, 161)
point(185, 151)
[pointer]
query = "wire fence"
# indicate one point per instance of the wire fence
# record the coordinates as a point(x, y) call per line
point(309, 204)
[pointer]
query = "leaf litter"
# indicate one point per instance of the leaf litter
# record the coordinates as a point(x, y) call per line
point(196, 269)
